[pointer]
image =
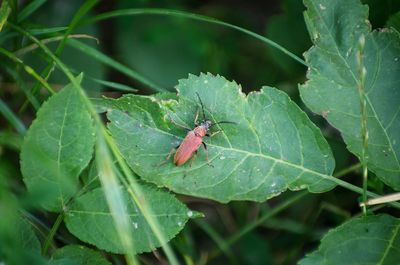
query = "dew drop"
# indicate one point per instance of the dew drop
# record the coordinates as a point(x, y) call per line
point(135, 225)
point(396, 59)
point(189, 214)
point(179, 223)
point(322, 7)
point(222, 157)
point(205, 81)
point(140, 125)
point(273, 184)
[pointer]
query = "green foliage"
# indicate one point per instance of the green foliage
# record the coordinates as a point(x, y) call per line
point(363, 240)
point(57, 148)
point(273, 146)
point(336, 28)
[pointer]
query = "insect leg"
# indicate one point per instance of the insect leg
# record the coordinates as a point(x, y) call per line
point(196, 118)
point(177, 124)
point(191, 163)
point(206, 151)
point(168, 156)
point(214, 133)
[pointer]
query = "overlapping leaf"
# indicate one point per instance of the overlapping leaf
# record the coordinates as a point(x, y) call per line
point(366, 240)
point(77, 255)
point(90, 219)
point(57, 147)
point(335, 28)
point(273, 146)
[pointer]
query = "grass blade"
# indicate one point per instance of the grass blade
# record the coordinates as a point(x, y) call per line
point(28, 69)
point(101, 57)
point(40, 31)
point(34, 46)
point(22, 85)
point(115, 85)
point(113, 196)
point(183, 14)
point(12, 118)
point(29, 9)
point(5, 11)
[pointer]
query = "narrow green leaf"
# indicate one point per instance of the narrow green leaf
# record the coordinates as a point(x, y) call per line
point(335, 28)
point(12, 140)
point(5, 11)
point(360, 241)
point(12, 118)
point(273, 146)
point(115, 85)
point(77, 255)
point(29, 9)
point(101, 57)
point(98, 228)
point(40, 31)
point(57, 147)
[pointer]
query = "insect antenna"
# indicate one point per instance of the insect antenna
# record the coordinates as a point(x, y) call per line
point(232, 122)
point(202, 106)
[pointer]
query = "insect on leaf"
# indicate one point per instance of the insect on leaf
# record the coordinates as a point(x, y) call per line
point(273, 146)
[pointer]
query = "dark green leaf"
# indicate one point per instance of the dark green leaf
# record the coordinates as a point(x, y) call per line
point(365, 240)
point(57, 147)
point(336, 27)
point(77, 255)
point(273, 146)
point(90, 220)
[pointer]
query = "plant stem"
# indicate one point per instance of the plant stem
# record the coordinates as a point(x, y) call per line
point(251, 226)
point(364, 132)
point(53, 231)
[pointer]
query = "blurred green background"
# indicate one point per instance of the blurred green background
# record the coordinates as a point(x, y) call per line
point(164, 49)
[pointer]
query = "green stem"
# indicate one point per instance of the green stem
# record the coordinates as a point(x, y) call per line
point(251, 226)
point(363, 107)
point(27, 69)
point(52, 232)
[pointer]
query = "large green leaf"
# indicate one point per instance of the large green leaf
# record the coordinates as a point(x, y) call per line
point(365, 240)
point(77, 255)
point(335, 28)
point(57, 147)
point(90, 219)
point(273, 146)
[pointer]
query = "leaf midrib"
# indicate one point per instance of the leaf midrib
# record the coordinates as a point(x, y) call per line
point(240, 151)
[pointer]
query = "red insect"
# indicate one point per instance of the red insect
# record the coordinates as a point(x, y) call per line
point(194, 138)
